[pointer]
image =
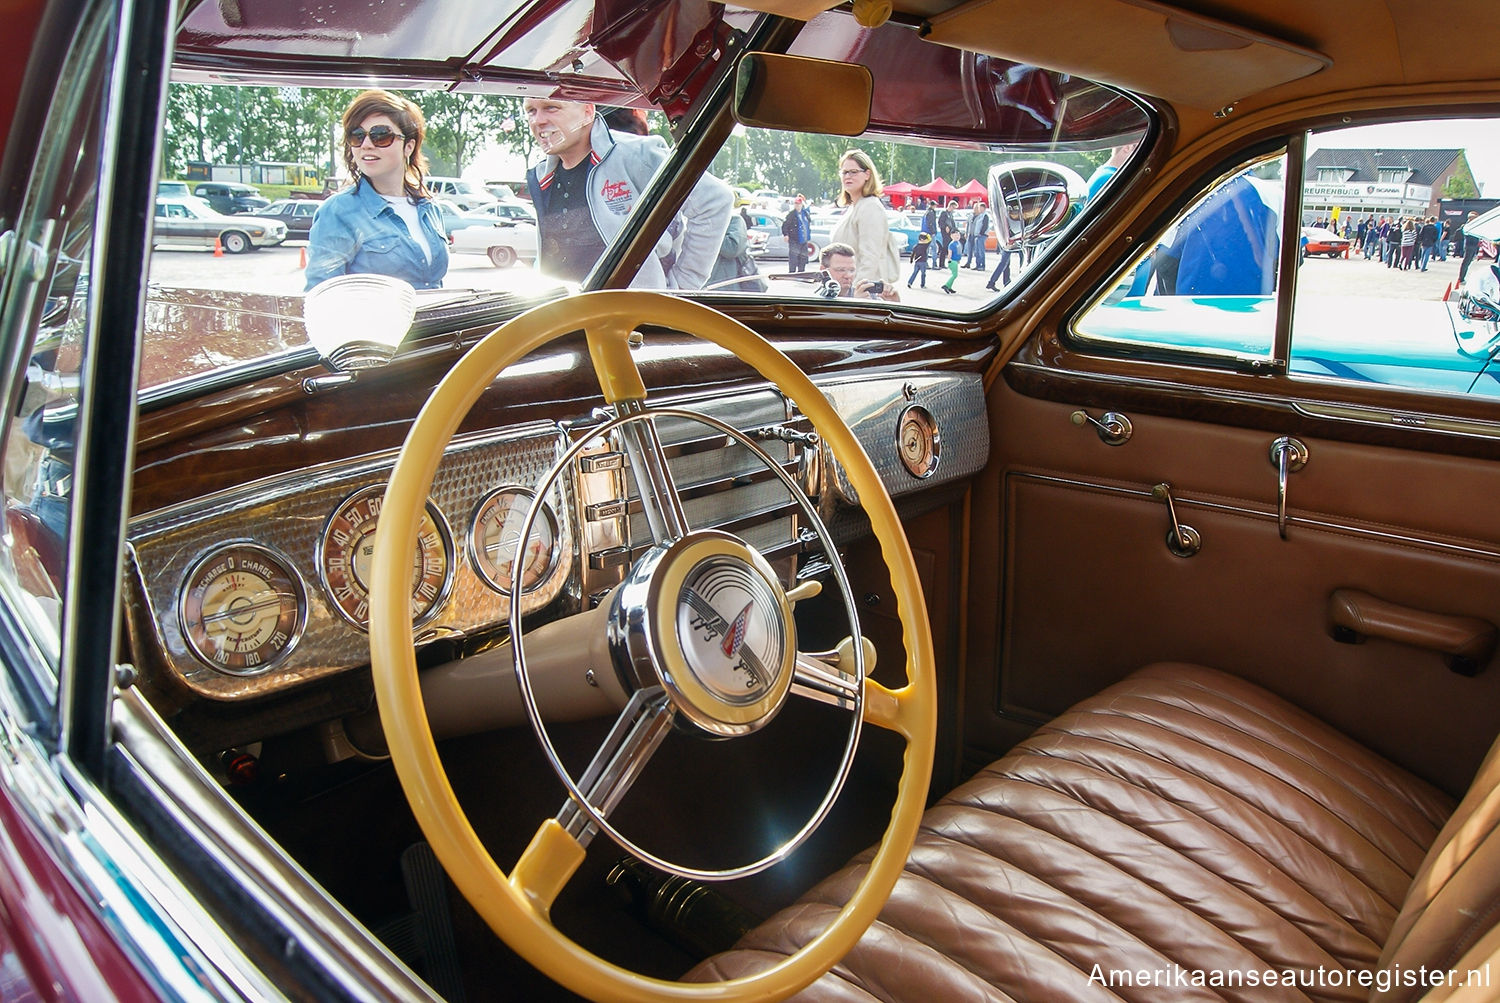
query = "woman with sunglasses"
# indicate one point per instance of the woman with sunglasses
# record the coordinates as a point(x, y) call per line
point(877, 266)
point(386, 222)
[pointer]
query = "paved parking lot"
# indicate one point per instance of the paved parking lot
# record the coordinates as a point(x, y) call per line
point(279, 270)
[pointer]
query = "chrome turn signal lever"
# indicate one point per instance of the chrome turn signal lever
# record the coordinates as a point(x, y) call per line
point(1114, 428)
point(1182, 540)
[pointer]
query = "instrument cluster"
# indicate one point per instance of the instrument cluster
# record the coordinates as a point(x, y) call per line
point(267, 586)
point(255, 590)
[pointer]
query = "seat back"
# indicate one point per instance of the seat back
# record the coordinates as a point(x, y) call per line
point(1450, 919)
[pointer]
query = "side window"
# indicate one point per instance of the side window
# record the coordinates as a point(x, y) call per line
point(1397, 285)
point(46, 306)
point(1206, 285)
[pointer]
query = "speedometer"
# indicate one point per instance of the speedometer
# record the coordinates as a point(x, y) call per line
point(347, 549)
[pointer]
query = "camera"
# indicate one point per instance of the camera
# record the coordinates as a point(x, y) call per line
point(876, 288)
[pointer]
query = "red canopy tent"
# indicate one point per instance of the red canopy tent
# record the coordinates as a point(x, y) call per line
point(970, 193)
point(901, 193)
point(939, 188)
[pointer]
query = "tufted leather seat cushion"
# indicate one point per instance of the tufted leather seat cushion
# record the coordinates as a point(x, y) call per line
point(1182, 819)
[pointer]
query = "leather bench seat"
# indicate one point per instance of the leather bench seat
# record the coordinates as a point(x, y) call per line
point(1183, 819)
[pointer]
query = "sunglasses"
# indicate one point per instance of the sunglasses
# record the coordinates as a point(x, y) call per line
point(382, 136)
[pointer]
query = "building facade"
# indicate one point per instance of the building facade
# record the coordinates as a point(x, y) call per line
point(1368, 182)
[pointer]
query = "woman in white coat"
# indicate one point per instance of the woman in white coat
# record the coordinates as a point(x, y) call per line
point(877, 266)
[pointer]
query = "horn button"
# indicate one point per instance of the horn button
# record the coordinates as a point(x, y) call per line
point(705, 618)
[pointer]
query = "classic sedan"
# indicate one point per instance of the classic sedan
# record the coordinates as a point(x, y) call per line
point(186, 220)
point(505, 242)
point(543, 640)
point(296, 214)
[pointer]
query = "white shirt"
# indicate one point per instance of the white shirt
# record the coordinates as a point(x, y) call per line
point(408, 214)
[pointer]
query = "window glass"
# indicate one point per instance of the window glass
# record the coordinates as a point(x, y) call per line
point(47, 307)
point(962, 194)
point(1396, 281)
point(1397, 285)
point(1207, 283)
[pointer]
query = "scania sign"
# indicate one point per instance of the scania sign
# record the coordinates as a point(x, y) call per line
point(1364, 192)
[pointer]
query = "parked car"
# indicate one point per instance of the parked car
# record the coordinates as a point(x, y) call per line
point(172, 188)
point(296, 214)
point(467, 195)
point(553, 639)
point(1323, 241)
point(230, 198)
point(189, 221)
point(498, 190)
point(456, 218)
point(505, 242)
point(509, 209)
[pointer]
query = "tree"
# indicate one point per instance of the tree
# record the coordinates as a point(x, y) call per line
point(1461, 186)
point(459, 125)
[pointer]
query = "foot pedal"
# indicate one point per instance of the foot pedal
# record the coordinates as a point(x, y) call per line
point(695, 917)
point(432, 923)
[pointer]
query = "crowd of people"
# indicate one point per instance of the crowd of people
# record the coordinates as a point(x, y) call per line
point(592, 171)
point(1410, 243)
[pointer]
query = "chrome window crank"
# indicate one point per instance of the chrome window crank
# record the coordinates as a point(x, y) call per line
point(1182, 540)
point(1288, 455)
point(1114, 428)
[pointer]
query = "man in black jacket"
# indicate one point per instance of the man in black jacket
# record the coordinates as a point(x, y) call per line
point(1470, 245)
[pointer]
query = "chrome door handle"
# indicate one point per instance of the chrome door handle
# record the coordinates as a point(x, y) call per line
point(1288, 455)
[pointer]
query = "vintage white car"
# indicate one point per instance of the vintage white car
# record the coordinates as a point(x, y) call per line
point(506, 242)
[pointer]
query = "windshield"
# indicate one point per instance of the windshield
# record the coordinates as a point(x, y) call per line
point(972, 171)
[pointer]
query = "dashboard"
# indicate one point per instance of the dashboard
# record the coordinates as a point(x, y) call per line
point(261, 589)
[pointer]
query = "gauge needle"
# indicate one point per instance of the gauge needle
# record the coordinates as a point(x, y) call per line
point(711, 616)
point(271, 600)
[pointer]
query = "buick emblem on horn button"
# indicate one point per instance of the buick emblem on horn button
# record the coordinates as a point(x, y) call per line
point(736, 660)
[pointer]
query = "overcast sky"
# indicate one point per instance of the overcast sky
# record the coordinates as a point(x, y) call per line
point(1478, 138)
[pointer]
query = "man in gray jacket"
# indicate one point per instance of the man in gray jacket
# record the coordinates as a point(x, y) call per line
point(590, 180)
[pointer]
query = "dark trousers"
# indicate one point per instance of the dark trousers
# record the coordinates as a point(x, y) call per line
point(796, 256)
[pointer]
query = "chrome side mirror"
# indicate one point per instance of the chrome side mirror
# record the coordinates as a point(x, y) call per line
point(1033, 200)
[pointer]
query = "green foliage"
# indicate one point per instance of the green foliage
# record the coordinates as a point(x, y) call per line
point(1461, 185)
point(242, 125)
point(458, 125)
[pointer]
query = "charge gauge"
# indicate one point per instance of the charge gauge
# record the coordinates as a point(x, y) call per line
point(917, 440)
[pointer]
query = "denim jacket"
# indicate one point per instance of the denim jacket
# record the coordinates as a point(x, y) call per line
point(357, 232)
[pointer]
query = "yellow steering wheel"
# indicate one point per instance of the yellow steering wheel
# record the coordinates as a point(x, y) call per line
point(517, 905)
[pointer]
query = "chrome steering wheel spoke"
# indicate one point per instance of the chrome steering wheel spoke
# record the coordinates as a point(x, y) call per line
point(817, 680)
point(653, 479)
point(636, 735)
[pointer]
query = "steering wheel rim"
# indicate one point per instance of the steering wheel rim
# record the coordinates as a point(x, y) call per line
point(516, 905)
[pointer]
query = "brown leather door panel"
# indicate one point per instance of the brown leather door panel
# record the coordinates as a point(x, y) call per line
point(1088, 589)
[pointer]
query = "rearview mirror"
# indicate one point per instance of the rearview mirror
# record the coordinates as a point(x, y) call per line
point(799, 94)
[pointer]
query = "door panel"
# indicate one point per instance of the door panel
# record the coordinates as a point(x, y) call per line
point(1087, 589)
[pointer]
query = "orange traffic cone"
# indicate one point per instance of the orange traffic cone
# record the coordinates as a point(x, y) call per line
point(218, 248)
point(302, 261)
